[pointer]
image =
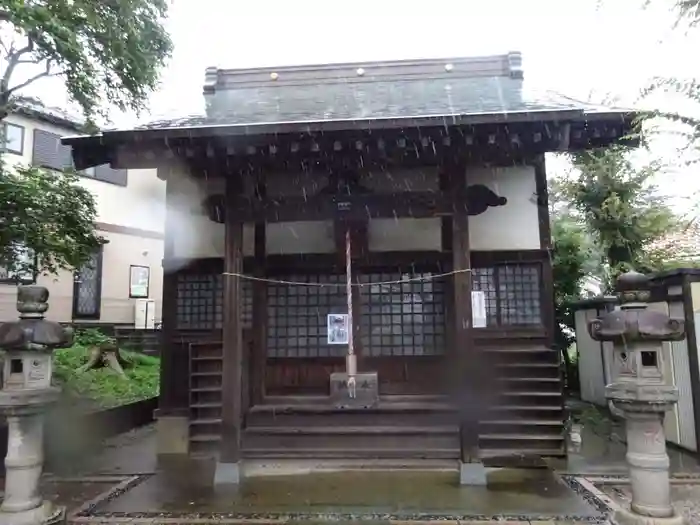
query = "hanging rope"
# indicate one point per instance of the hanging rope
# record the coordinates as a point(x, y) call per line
point(422, 278)
point(351, 360)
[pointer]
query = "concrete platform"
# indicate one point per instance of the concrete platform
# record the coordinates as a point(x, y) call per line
point(125, 484)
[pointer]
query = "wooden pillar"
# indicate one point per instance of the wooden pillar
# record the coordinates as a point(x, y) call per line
point(228, 468)
point(548, 314)
point(467, 365)
point(173, 401)
point(259, 357)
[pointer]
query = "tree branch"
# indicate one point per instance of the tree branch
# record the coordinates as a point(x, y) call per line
point(45, 73)
point(13, 59)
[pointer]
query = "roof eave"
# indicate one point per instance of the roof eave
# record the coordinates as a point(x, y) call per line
point(213, 130)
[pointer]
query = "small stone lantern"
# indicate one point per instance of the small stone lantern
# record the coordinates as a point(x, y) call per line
point(640, 393)
point(26, 392)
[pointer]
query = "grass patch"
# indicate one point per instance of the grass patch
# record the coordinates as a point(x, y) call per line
point(102, 386)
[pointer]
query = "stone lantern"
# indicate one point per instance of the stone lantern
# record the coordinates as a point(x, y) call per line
point(639, 392)
point(25, 394)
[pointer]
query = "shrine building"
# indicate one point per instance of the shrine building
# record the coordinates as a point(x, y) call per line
point(434, 338)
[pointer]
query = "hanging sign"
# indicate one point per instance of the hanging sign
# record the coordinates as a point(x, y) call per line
point(478, 309)
point(338, 329)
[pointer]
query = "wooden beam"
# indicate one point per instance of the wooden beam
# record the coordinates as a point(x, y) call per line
point(349, 208)
point(548, 314)
point(232, 380)
point(259, 357)
point(467, 394)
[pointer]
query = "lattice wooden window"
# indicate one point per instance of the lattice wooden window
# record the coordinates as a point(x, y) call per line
point(200, 302)
point(513, 294)
point(297, 316)
point(406, 319)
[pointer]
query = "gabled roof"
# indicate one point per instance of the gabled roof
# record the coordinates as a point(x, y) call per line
point(404, 89)
point(364, 96)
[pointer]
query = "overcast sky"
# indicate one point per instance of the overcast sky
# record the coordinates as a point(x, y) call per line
point(577, 47)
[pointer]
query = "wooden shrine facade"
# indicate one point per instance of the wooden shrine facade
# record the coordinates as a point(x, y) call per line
point(255, 260)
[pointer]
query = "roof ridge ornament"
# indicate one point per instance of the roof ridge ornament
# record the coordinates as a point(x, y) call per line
point(515, 64)
point(211, 78)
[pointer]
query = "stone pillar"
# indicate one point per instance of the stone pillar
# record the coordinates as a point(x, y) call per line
point(639, 392)
point(25, 394)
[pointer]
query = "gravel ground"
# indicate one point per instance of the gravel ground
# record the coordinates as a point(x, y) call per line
point(686, 498)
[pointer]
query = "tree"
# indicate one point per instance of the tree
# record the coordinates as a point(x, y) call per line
point(108, 52)
point(620, 207)
point(569, 259)
point(607, 216)
point(49, 215)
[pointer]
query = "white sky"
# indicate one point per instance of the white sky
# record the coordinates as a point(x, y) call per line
point(577, 47)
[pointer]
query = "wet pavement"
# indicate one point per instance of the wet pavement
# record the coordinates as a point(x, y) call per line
point(394, 493)
point(684, 493)
point(605, 454)
point(125, 483)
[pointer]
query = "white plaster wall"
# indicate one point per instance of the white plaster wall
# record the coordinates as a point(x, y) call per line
point(514, 226)
point(300, 237)
point(397, 180)
point(511, 227)
point(387, 235)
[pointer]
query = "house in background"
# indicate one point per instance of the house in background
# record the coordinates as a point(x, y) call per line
point(122, 285)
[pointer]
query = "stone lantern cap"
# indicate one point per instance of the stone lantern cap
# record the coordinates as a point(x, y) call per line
point(32, 331)
point(633, 322)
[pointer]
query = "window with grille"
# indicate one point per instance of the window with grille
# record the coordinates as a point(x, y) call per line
point(200, 302)
point(297, 316)
point(406, 319)
point(512, 292)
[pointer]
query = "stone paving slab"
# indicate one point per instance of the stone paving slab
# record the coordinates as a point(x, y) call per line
point(134, 501)
point(616, 491)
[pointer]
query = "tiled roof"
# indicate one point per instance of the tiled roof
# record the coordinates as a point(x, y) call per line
point(34, 108)
point(420, 89)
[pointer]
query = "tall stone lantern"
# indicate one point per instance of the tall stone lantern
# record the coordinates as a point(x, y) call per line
point(25, 394)
point(639, 392)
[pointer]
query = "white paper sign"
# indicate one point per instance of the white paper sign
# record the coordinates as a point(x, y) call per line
point(39, 373)
point(478, 309)
point(338, 329)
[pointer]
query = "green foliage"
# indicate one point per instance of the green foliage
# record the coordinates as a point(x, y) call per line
point(49, 213)
point(92, 337)
point(103, 386)
point(109, 52)
point(568, 262)
point(620, 207)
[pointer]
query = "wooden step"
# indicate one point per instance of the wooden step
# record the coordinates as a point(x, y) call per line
point(198, 404)
point(210, 421)
point(528, 365)
point(522, 426)
point(351, 453)
point(507, 455)
point(342, 430)
point(361, 438)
